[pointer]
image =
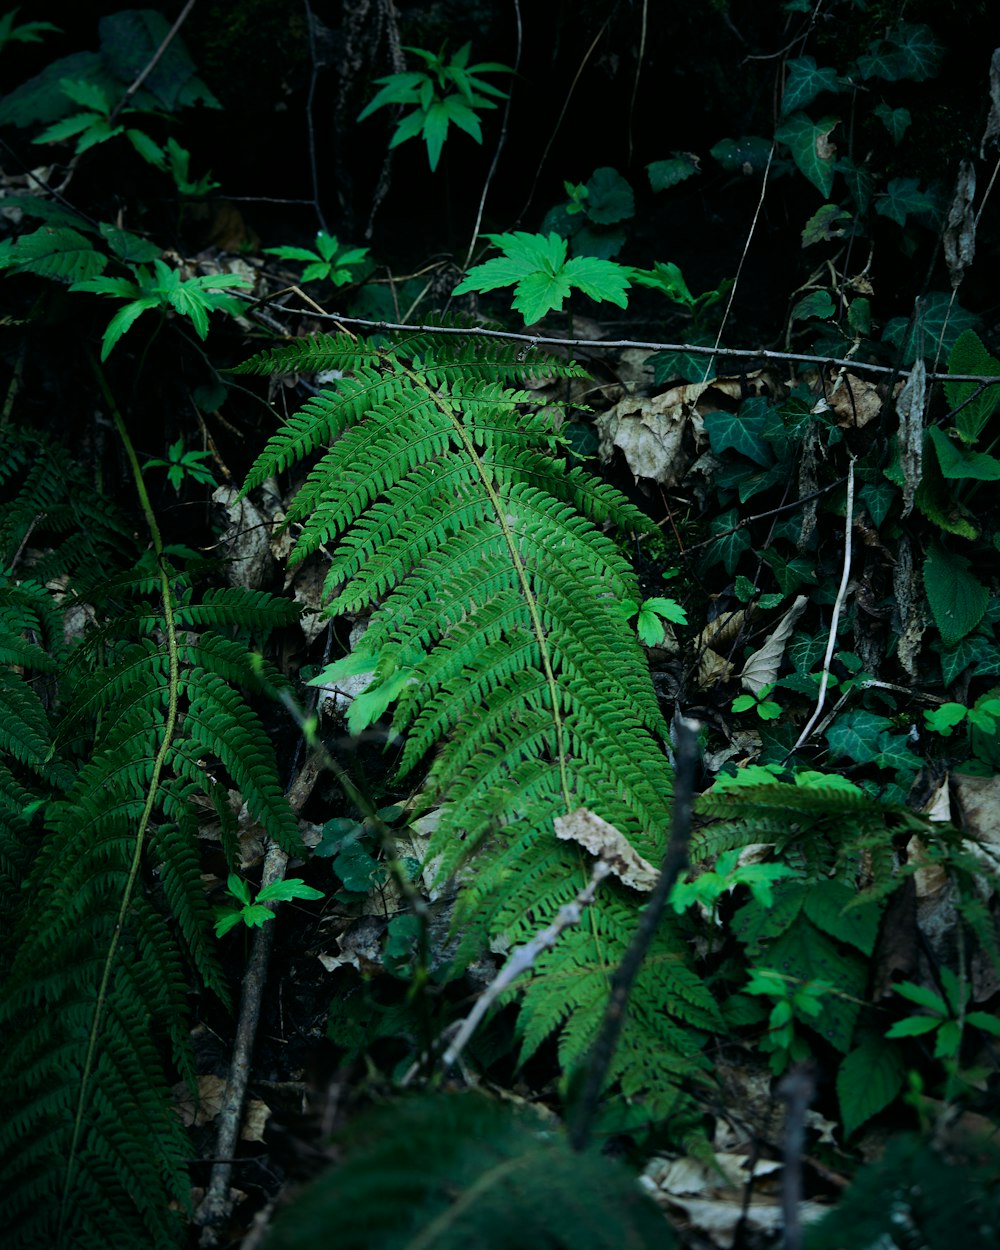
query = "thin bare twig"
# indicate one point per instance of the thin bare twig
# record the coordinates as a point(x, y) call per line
point(831, 641)
point(313, 75)
point(695, 349)
point(500, 143)
point(746, 249)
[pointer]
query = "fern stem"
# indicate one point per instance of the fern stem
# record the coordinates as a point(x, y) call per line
point(522, 573)
point(151, 795)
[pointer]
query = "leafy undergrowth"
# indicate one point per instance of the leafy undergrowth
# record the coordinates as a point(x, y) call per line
point(348, 655)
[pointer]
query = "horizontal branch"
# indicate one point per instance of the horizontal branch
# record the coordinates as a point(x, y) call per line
point(694, 349)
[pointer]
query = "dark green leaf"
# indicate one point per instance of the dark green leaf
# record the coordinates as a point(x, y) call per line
point(609, 197)
point(805, 81)
point(869, 1079)
point(956, 596)
point(811, 147)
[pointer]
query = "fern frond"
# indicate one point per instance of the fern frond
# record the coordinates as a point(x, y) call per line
point(450, 516)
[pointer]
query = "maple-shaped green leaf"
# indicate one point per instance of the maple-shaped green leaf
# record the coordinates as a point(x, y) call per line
point(163, 288)
point(810, 146)
point(536, 266)
point(805, 82)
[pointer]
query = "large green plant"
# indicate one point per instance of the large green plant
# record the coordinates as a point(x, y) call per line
point(107, 745)
point(497, 623)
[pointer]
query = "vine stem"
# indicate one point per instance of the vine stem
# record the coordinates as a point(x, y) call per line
point(152, 792)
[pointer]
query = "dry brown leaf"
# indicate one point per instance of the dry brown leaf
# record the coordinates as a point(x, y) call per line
point(854, 401)
point(602, 839)
point(652, 432)
point(761, 669)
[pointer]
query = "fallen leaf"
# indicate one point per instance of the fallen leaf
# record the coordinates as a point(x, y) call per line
point(761, 669)
point(602, 839)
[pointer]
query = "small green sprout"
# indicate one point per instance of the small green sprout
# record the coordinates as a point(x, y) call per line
point(328, 261)
point(652, 613)
point(765, 708)
point(182, 464)
point(252, 912)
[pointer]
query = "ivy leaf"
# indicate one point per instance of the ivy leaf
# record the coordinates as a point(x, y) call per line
point(805, 82)
point(855, 734)
point(729, 431)
point(903, 197)
point(815, 304)
point(943, 322)
point(829, 222)
point(896, 121)
point(956, 596)
point(910, 50)
point(811, 148)
point(869, 1079)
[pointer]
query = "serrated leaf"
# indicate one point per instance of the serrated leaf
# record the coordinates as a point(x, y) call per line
point(868, 1080)
point(968, 355)
point(805, 82)
point(289, 888)
point(956, 596)
point(922, 996)
point(600, 279)
point(609, 197)
point(811, 148)
point(962, 462)
point(55, 252)
point(668, 173)
point(826, 905)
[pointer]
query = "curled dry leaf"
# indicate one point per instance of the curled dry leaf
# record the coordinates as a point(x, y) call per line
point(761, 669)
point(602, 839)
point(854, 401)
